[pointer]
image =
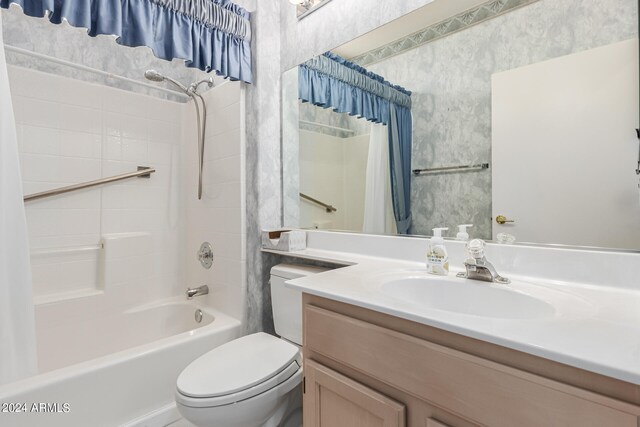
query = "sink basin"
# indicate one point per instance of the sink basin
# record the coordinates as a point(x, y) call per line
point(467, 297)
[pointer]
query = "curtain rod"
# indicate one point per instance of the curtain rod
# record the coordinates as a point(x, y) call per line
point(91, 70)
point(307, 122)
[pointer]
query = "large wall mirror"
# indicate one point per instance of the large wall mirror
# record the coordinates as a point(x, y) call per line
point(516, 116)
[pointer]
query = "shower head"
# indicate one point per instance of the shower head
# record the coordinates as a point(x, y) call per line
point(155, 76)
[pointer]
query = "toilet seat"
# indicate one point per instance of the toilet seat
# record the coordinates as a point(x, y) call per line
point(238, 370)
point(212, 402)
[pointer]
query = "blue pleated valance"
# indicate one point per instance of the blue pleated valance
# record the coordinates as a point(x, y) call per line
point(330, 81)
point(212, 35)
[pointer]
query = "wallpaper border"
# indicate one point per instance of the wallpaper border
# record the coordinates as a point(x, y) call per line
point(462, 21)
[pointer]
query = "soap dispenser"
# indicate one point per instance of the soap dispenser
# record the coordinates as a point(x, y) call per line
point(462, 232)
point(437, 257)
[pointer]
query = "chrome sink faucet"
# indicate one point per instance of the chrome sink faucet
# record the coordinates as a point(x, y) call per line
point(477, 266)
point(196, 292)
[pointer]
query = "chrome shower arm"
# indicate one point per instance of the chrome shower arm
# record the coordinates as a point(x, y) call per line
point(178, 84)
point(194, 86)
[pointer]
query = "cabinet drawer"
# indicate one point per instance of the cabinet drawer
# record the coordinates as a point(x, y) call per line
point(479, 390)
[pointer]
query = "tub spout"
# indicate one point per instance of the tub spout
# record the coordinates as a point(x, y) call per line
point(195, 292)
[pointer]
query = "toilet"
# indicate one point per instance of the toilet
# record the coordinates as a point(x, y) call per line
point(253, 381)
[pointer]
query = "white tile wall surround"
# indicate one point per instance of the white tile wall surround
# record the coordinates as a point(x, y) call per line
point(71, 131)
point(66, 273)
point(118, 249)
point(219, 217)
point(150, 229)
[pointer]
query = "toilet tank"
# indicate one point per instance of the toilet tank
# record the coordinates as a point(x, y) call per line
point(287, 303)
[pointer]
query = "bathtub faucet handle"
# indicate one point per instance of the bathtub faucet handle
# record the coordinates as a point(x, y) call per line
point(195, 292)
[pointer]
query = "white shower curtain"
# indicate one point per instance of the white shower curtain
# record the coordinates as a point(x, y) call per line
point(378, 206)
point(17, 324)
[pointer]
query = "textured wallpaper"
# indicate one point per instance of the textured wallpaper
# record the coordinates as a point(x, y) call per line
point(264, 174)
point(329, 27)
point(103, 53)
point(335, 24)
point(451, 83)
point(280, 42)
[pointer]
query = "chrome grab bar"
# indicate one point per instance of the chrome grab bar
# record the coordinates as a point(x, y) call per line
point(143, 172)
point(480, 166)
point(329, 208)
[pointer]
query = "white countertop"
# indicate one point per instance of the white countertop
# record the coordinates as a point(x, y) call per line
point(601, 333)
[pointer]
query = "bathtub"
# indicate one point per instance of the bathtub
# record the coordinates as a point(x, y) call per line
point(115, 369)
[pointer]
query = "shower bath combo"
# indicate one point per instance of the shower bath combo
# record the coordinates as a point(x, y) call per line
point(191, 91)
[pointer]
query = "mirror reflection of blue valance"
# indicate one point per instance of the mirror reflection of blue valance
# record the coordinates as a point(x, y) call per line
point(330, 81)
point(212, 35)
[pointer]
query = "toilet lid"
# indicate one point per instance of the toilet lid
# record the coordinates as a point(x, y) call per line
point(236, 366)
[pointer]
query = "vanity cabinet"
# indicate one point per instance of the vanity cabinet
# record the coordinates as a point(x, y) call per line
point(364, 368)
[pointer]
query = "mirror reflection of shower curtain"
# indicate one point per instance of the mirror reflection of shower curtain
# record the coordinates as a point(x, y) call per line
point(378, 204)
point(17, 324)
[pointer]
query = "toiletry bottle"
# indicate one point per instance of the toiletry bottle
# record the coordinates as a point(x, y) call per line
point(462, 232)
point(437, 257)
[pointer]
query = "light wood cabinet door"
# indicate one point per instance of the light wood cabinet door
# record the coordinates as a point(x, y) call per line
point(333, 400)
